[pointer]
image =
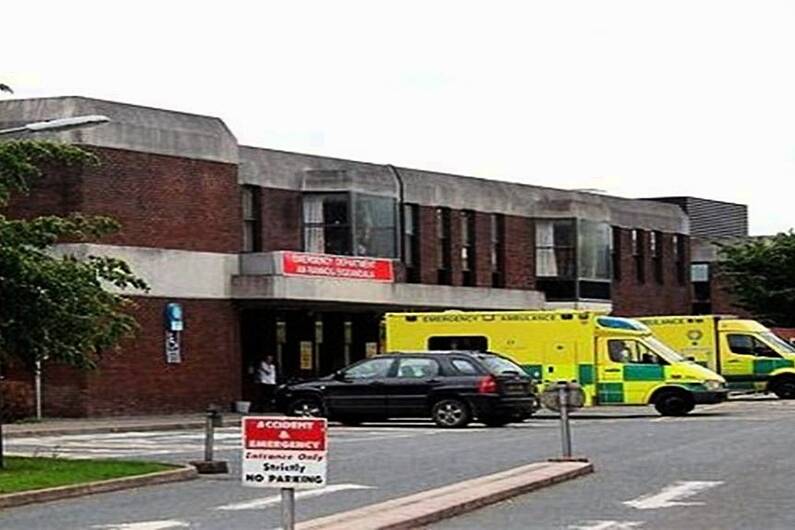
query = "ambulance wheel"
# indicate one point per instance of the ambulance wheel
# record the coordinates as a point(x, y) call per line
point(307, 407)
point(451, 413)
point(784, 388)
point(673, 403)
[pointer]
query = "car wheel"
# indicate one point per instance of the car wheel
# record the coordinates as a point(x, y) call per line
point(674, 404)
point(306, 407)
point(450, 413)
point(784, 388)
point(497, 421)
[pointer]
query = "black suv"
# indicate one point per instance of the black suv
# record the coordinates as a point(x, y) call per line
point(452, 387)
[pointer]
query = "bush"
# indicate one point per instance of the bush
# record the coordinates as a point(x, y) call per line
point(18, 400)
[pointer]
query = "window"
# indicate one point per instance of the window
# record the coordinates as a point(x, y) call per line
point(372, 369)
point(409, 368)
point(252, 240)
point(594, 243)
point(497, 261)
point(699, 272)
point(350, 224)
point(750, 345)
point(616, 253)
point(411, 242)
point(463, 343)
point(631, 352)
point(555, 248)
point(464, 367)
point(468, 248)
point(443, 249)
point(656, 248)
point(638, 255)
point(678, 245)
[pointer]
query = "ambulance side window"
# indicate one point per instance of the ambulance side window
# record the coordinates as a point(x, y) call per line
point(463, 343)
point(631, 352)
point(749, 345)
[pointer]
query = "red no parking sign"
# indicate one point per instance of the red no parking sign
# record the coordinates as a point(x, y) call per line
point(281, 452)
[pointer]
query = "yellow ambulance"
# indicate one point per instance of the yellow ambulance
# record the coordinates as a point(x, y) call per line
point(616, 360)
point(746, 353)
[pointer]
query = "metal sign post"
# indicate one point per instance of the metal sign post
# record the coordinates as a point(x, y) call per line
point(288, 509)
point(565, 431)
point(561, 397)
point(284, 453)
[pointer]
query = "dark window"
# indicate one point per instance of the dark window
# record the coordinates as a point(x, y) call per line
point(411, 242)
point(443, 252)
point(678, 246)
point(497, 260)
point(417, 368)
point(350, 224)
point(616, 253)
point(252, 224)
point(468, 248)
point(639, 255)
point(555, 248)
point(656, 248)
point(750, 345)
point(464, 343)
point(701, 280)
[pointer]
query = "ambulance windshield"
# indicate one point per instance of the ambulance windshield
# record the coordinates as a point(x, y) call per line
point(777, 342)
point(663, 350)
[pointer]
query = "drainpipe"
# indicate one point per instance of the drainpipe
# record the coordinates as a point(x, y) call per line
point(401, 214)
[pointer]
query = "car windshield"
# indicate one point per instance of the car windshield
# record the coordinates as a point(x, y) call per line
point(777, 342)
point(500, 365)
point(663, 350)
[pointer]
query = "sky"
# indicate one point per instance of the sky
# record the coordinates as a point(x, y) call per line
point(633, 98)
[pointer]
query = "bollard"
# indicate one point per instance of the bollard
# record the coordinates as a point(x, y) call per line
point(288, 509)
point(213, 419)
point(565, 431)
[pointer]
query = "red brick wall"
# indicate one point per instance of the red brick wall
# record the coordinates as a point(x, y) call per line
point(519, 249)
point(429, 245)
point(670, 297)
point(161, 201)
point(137, 379)
point(280, 211)
point(482, 249)
point(721, 300)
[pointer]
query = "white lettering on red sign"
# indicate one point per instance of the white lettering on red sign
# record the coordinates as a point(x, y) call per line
point(284, 453)
point(326, 265)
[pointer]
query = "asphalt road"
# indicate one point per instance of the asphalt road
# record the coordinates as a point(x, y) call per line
point(734, 458)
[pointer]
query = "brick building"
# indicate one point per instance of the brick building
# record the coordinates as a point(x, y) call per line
point(297, 255)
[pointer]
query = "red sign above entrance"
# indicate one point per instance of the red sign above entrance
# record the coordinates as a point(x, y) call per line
point(343, 267)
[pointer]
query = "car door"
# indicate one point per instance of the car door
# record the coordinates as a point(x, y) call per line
point(611, 356)
point(737, 360)
point(407, 391)
point(359, 389)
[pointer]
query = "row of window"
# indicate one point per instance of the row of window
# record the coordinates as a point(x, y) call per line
point(574, 258)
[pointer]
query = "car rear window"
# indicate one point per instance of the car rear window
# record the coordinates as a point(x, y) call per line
point(500, 365)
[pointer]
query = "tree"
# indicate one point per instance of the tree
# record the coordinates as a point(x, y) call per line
point(56, 306)
point(760, 274)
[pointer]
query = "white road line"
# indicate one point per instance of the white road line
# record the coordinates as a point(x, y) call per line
point(607, 525)
point(276, 499)
point(670, 495)
point(145, 525)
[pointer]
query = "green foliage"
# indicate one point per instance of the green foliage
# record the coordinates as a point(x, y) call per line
point(761, 277)
point(55, 304)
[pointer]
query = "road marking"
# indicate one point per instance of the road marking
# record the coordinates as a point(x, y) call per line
point(276, 499)
point(145, 525)
point(607, 525)
point(669, 495)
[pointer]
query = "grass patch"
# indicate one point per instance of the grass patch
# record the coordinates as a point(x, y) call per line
point(25, 474)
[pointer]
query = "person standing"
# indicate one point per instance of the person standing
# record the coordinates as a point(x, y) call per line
point(265, 379)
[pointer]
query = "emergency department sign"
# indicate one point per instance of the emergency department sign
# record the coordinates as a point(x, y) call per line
point(281, 452)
